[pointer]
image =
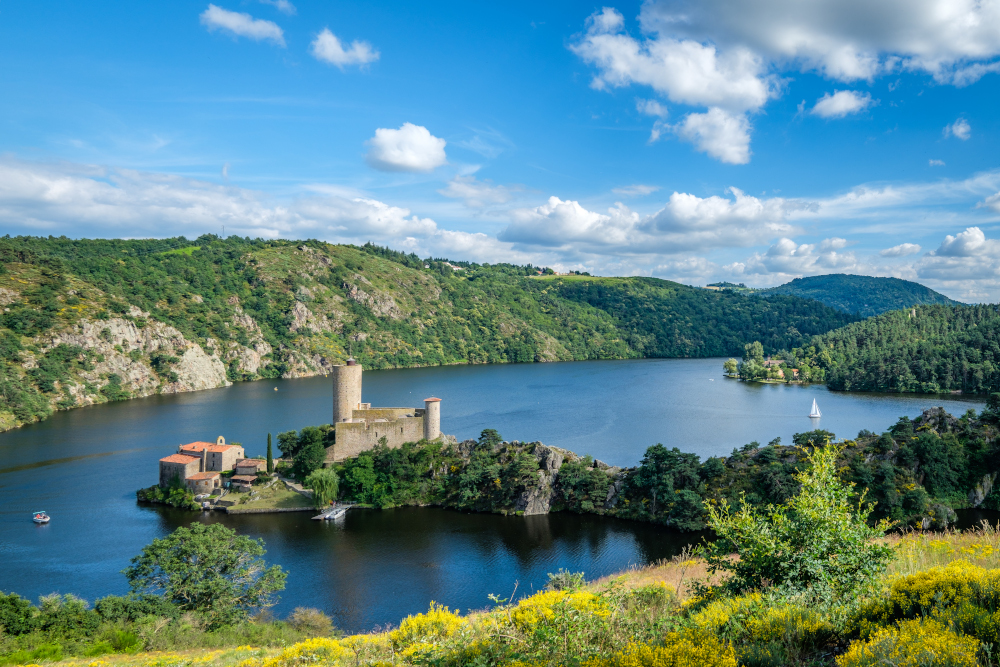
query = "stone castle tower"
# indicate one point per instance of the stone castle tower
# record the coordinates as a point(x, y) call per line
point(359, 427)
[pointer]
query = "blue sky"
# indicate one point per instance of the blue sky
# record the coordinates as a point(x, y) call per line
point(696, 141)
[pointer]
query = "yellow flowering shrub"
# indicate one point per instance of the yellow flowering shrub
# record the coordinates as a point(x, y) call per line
point(717, 614)
point(958, 584)
point(680, 649)
point(914, 643)
point(311, 651)
point(438, 623)
point(542, 607)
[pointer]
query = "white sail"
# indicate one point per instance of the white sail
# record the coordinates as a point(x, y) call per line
point(815, 411)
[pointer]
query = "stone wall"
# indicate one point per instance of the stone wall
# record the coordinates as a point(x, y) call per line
point(355, 437)
point(169, 470)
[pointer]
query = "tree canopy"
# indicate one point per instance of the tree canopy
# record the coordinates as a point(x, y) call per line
point(209, 569)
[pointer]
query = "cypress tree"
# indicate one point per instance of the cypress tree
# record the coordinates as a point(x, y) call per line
point(270, 458)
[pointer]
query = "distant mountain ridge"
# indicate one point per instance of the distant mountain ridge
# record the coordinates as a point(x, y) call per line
point(864, 296)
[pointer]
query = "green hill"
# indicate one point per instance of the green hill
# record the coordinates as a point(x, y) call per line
point(928, 349)
point(861, 295)
point(89, 321)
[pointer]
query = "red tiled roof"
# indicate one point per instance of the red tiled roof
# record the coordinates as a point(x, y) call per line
point(178, 458)
point(251, 463)
point(244, 478)
point(432, 399)
point(204, 475)
point(210, 446)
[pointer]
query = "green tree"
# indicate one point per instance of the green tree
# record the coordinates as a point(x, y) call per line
point(731, 367)
point(207, 569)
point(818, 539)
point(288, 443)
point(310, 452)
point(325, 484)
point(270, 456)
point(17, 615)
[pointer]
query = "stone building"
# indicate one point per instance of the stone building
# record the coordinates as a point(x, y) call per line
point(178, 467)
point(199, 457)
point(218, 456)
point(359, 427)
point(204, 482)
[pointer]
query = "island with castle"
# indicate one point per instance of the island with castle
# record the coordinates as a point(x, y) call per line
point(213, 470)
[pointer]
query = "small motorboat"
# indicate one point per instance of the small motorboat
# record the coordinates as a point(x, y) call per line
point(815, 413)
point(41, 517)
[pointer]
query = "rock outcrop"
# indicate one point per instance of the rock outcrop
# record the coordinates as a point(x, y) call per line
point(122, 347)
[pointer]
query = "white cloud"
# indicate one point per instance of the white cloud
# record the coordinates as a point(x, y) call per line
point(841, 103)
point(685, 223)
point(935, 163)
point(952, 40)
point(329, 49)
point(967, 257)
point(81, 200)
point(991, 202)
point(651, 108)
point(722, 135)
point(960, 129)
point(243, 25)
point(686, 71)
point(476, 193)
point(788, 259)
point(283, 6)
point(410, 148)
point(635, 190)
point(901, 250)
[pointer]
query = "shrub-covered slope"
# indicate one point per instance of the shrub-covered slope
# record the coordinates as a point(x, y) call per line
point(918, 473)
point(861, 295)
point(928, 349)
point(87, 321)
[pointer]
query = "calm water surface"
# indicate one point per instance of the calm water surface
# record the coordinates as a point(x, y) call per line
point(83, 467)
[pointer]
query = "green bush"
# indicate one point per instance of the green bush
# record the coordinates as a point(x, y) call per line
point(819, 539)
point(17, 615)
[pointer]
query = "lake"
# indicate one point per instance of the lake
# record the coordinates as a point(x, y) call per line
point(83, 467)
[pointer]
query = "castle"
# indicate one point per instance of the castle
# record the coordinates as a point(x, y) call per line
point(359, 427)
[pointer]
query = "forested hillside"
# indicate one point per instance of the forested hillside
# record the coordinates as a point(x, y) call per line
point(861, 295)
point(88, 321)
point(928, 349)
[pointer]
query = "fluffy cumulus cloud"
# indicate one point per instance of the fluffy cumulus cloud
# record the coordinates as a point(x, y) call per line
point(955, 41)
point(685, 71)
point(410, 148)
point(723, 54)
point(901, 250)
point(841, 103)
point(79, 200)
point(328, 48)
point(722, 135)
point(963, 260)
point(960, 129)
point(476, 193)
point(687, 222)
point(242, 25)
point(787, 259)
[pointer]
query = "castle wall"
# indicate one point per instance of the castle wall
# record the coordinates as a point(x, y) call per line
point(356, 437)
point(371, 414)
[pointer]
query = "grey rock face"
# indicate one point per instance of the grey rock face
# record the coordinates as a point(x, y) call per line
point(982, 490)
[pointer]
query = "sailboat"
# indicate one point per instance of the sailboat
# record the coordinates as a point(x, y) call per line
point(815, 413)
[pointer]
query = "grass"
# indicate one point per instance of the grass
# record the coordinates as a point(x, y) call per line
point(274, 497)
point(189, 250)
